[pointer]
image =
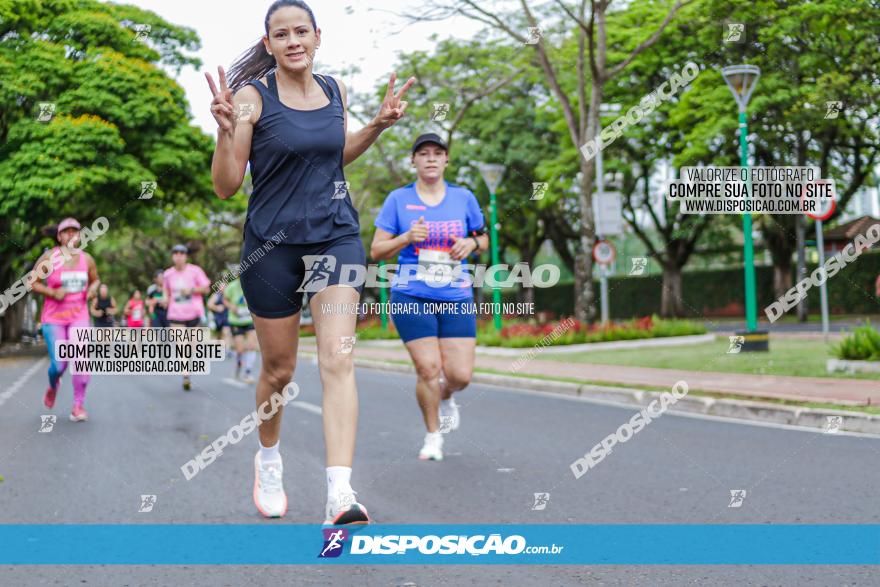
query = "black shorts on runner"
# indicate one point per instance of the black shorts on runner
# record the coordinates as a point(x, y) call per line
point(241, 330)
point(270, 278)
point(188, 323)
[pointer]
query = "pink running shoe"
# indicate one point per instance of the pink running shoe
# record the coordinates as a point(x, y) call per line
point(49, 398)
point(78, 414)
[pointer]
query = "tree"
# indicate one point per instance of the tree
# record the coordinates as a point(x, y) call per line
point(118, 120)
point(806, 59)
point(580, 104)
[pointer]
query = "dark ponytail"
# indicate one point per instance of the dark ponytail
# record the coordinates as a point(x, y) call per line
point(256, 62)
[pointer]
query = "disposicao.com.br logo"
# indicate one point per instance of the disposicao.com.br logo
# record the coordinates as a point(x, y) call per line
point(450, 544)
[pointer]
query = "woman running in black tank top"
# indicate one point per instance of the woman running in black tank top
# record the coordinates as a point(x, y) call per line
point(291, 125)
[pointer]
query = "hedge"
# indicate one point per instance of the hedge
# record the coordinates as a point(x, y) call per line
point(717, 292)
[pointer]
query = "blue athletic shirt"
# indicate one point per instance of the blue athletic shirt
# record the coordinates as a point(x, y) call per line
point(458, 214)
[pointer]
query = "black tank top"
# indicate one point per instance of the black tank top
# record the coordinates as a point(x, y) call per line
point(296, 167)
point(104, 319)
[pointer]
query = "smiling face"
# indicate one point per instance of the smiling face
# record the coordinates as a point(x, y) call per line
point(292, 39)
point(430, 161)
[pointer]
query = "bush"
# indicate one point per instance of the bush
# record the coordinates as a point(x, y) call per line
point(862, 345)
point(718, 292)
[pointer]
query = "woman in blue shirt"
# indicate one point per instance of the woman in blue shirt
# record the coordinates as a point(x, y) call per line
point(433, 226)
point(291, 126)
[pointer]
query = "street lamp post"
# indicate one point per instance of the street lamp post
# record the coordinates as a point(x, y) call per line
point(492, 173)
point(742, 79)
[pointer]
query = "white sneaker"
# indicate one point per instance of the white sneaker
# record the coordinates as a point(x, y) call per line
point(433, 447)
point(269, 495)
point(343, 508)
point(449, 416)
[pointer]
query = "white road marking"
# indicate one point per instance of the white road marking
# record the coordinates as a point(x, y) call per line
point(19, 383)
point(233, 382)
point(306, 406)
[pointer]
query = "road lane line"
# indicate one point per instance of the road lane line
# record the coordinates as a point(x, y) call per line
point(19, 383)
point(307, 407)
point(233, 382)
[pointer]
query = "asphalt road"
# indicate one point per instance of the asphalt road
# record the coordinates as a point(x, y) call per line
point(511, 445)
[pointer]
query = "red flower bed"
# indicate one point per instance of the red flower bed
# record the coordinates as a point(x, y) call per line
point(529, 329)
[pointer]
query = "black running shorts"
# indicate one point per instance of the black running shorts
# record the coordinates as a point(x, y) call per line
point(272, 273)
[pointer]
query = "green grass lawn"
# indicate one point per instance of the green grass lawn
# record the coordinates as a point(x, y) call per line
point(804, 358)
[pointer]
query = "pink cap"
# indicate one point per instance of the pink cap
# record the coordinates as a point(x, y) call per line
point(68, 223)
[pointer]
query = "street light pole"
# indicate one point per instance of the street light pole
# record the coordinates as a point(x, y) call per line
point(748, 245)
point(742, 79)
point(492, 173)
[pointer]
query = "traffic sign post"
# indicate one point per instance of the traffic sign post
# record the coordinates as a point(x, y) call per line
point(604, 254)
point(819, 217)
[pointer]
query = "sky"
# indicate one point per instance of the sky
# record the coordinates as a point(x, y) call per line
point(366, 34)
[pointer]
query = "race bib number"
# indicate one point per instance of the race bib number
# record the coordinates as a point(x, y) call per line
point(74, 281)
point(178, 295)
point(438, 266)
point(136, 314)
point(242, 312)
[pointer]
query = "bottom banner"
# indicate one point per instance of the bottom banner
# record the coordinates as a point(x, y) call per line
point(289, 544)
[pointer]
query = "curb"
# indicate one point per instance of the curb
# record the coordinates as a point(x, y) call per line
point(724, 407)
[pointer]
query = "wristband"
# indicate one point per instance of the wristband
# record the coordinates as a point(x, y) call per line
point(476, 242)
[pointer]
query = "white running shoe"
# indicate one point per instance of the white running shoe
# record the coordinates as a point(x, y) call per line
point(269, 496)
point(449, 416)
point(343, 508)
point(433, 447)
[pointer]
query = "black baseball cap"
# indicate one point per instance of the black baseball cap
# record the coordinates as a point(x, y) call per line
point(429, 138)
point(179, 249)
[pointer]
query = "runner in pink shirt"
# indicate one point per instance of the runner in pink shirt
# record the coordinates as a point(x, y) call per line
point(72, 280)
point(134, 310)
point(184, 285)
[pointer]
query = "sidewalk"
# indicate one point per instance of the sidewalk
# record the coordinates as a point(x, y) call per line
point(852, 392)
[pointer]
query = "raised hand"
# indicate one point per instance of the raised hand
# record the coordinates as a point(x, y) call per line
point(222, 106)
point(393, 106)
point(418, 231)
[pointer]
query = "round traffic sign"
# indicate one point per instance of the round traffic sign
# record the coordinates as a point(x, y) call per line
point(604, 253)
point(826, 208)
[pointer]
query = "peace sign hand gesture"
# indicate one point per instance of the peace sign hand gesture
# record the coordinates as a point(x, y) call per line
point(222, 106)
point(392, 107)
